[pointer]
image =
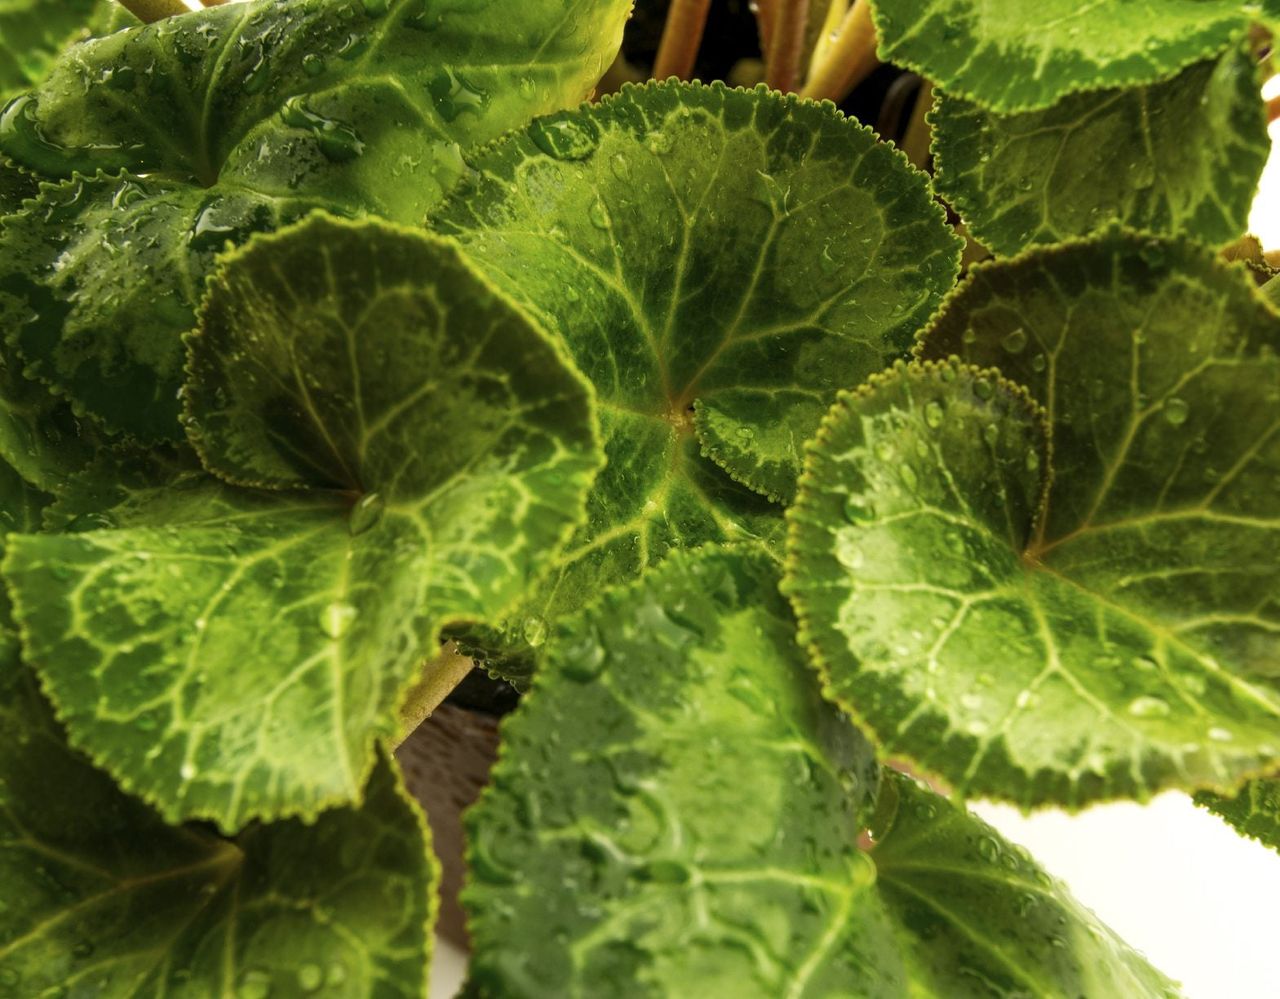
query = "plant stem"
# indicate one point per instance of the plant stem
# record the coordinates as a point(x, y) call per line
point(915, 140)
point(154, 10)
point(681, 38)
point(1273, 110)
point(851, 57)
point(836, 10)
point(783, 65)
point(766, 14)
point(439, 676)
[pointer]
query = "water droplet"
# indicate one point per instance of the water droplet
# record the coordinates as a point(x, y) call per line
point(991, 434)
point(187, 771)
point(534, 630)
point(989, 849)
point(1038, 363)
point(454, 95)
point(857, 509)
point(933, 414)
point(746, 433)
point(310, 977)
point(366, 513)
point(1144, 663)
point(848, 553)
point(599, 217)
point(336, 618)
point(1176, 412)
point(1220, 735)
point(565, 136)
point(338, 142)
point(254, 985)
point(908, 476)
point(983, 388)
point(337, 973)
point(1015, 342)
point(1148, 707)
point(312, 64)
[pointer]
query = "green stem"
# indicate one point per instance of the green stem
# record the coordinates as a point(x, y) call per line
point(851, 57)
point(154, 10)
point(916, 137)
point(439, 676)
point(681, 39)
point(766, 13)
point(783, 68)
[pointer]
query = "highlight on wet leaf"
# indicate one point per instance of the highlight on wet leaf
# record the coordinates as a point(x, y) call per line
point(172, 139)
point(394, 447)
point(1008, 55)
point(675, 762)
point(1061, 630)
point(1074, 168)
point(718, 263)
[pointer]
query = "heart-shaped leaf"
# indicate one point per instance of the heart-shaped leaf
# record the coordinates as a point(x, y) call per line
point(232, 653)
point(1182, 156)
point(1010, 55)
point(1121, 636)
point(718, 263)
point(204, 128)
point(103, 898)
point(675, 764)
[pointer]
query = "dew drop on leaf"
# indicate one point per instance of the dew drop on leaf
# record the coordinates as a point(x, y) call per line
point(534, 630)
point(1176, 412)
point(366, 513)
point(1147, 706)
point(310, 977)
point(933, 414)
point(336, 618)
point(857, 509)
point(565, 136)
point(1015, 342)
point(1220, 735)
point(254, 985)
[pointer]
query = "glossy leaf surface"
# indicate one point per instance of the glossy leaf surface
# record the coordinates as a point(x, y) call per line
point(103, 898)
point(1010, 55)
point(205, 128)
point(718, 263)
point(231, 653)
point(676, 766)
point(1117, 640)
point(1179, 157)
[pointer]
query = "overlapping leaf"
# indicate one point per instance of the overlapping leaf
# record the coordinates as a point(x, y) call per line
point(1010, 55)
point(233, 653)
point(719, 263)
point(33, 35)
point(103, 898)
point(207, 127)
point(1182, 156)
point(1122, 637)
point(676, 812)
point(1254, 810)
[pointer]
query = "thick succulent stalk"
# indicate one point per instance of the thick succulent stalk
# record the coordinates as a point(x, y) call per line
point(154, 10)
point(850, 57)
point(681, 38)
point(786, 48)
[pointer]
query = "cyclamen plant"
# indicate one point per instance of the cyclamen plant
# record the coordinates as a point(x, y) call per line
point(336, 331)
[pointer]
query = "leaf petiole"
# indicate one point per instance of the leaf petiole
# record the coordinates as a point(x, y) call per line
point(782, 67)
point(148, 11)
point(439, 676)
point(849, 58)
point(681, 38)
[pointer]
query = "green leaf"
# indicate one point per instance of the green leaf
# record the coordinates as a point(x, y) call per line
point(16, 186)
point(676, 766)
point(204, 128)
point(1253, 811)
point(1183, 157)
point(718, 263)
point(102, 898)
point(232, 653)
point(34, 33)
point(1009, 55)
point(1117, 639)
